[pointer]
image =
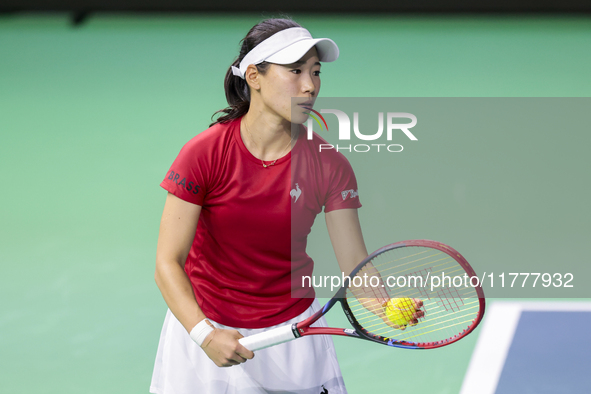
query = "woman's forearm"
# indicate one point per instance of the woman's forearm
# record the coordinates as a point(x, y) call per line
point(176, 289)
point(177, 230)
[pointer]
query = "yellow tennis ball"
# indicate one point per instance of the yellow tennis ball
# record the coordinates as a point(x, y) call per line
point(400, 310)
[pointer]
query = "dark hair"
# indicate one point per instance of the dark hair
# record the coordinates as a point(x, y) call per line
point(237, 90)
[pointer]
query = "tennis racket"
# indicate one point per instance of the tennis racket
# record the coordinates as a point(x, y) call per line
point(443, 311)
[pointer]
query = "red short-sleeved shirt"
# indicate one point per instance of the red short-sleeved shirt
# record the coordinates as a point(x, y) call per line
point(255, 221)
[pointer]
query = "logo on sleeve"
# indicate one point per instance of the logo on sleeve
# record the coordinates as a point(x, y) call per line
point(188, 185)
point(349, 193)
point(297, 192)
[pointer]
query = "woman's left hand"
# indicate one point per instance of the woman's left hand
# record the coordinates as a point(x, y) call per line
point(223, 348)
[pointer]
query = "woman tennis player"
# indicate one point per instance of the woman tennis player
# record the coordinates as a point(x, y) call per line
point(242, 197)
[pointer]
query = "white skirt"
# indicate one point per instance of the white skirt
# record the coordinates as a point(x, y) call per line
point(307, 365)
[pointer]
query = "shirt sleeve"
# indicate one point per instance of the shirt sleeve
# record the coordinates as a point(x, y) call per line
point(187, 177)
point(342, 189)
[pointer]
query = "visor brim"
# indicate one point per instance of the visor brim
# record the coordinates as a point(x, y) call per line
point(328, 51)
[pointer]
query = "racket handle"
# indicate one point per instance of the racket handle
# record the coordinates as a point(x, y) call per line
point(268, 338)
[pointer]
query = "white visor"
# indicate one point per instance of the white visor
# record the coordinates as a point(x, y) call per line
point(286, 47)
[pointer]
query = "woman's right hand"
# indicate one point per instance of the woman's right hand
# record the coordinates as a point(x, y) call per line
point(223, 348)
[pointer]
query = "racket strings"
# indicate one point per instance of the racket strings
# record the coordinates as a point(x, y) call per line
point(431, 325)
point(430, 264)
point(433, 328)
point(435, 319)
point(447, 310)
point(363, 313)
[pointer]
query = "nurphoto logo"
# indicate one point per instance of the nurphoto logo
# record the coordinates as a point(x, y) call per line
point(345, 130)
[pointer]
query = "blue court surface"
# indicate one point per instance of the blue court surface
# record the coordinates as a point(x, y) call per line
point(532, 347)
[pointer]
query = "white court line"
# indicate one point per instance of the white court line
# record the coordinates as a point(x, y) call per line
point(495, 340)
point(562, 306)
point(491, 349)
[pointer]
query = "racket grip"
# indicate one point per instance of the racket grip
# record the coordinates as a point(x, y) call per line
point(268, 338)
